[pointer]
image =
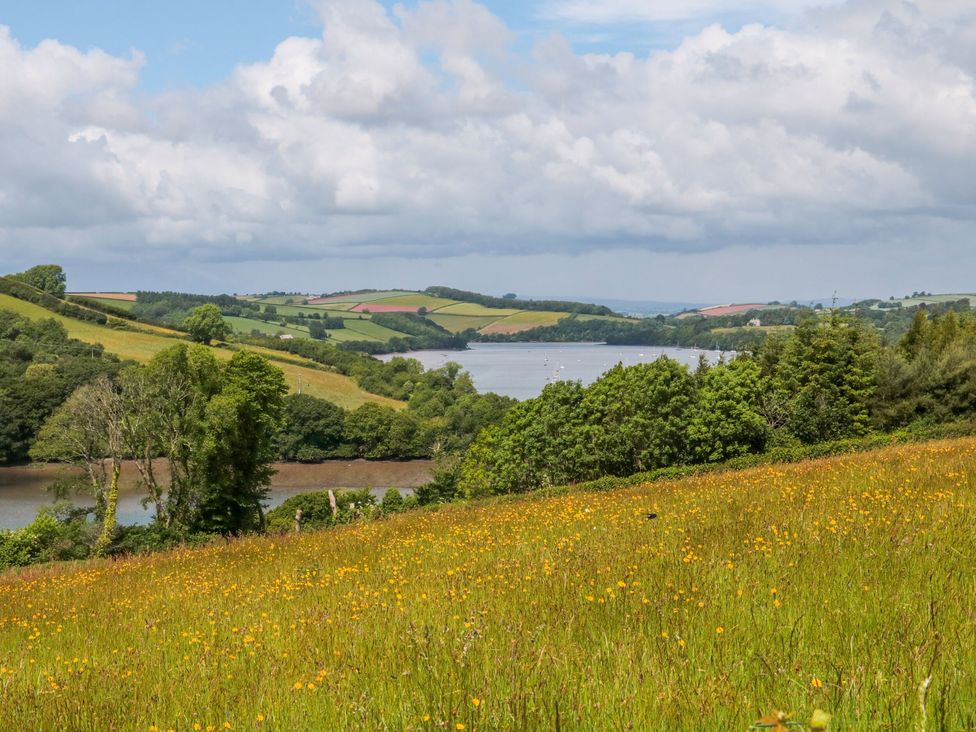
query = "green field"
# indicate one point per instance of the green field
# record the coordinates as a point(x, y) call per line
point(908, 302)
point(126, 305)
point(416, 300)
point(524, 320)
point(457, 323)
point(246, 325)
point(371, 330)
point(309, 309)
point(370, 296)
point(342, 335)
point(844, 585)
point(142, 346)
point(473, 308)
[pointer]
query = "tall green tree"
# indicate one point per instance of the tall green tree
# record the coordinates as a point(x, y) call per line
point(87, 431)
point(238, 448)
point(540, 442)
point(312, 428)
point(47, 277)
point(206, 324)
point(727, 419)
point(826, 372)
point(636, 418)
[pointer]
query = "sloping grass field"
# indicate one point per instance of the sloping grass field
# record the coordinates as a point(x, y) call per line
point(141, 346)
point(524, 320)
point(843, 584)
point(457, 323)
point(246, 325)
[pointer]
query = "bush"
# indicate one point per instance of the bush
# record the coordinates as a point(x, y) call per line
point(392, 501)
point(317, 511)
point(152, 538)
point(56, 534)
point(315, 507)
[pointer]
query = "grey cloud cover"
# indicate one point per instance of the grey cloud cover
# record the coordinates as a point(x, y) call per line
point(421, 133)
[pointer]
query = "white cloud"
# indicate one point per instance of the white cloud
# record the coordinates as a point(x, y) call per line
point(422, 132)
point(612, 12)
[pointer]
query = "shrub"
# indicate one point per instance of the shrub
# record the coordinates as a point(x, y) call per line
point(392, 501)
point(37, 542)
point(152, 538)
point(317, 511)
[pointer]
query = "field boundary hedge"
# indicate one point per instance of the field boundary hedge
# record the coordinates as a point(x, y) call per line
point(49, 302)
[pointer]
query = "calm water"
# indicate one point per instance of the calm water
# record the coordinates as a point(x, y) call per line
point(522, 370)
point(23, 490)
point(19, 504)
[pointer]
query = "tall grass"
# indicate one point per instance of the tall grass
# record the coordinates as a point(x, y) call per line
point(841, 584)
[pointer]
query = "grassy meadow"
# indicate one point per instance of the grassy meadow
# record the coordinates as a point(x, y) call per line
point(844, 584)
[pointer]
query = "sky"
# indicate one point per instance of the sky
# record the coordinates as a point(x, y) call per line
point(691, 150)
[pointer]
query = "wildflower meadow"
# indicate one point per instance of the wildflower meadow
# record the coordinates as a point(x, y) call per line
point(840, 587)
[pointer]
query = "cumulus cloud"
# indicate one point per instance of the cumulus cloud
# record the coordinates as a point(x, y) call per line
point(423, 131)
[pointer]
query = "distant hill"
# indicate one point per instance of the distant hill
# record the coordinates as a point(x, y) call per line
point(140, 342)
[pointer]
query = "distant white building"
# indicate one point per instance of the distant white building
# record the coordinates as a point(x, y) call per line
point(286, 337)
point(755, 323)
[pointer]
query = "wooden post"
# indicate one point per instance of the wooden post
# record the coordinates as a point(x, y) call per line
point(298, 520)
point(332, 503)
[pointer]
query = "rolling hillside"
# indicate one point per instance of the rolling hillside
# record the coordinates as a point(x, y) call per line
point(453, 315)
point(843, 585)
point(142, 344)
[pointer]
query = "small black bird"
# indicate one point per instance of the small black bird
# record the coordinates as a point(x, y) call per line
point(651, 516)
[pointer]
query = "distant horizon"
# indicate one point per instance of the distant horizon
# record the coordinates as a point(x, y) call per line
point(590, 299)
point(715, 151)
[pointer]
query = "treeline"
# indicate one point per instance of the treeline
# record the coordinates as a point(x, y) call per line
point(687, 333)
point(171, 309)
point(21, 287)
point(443, 414)
point(395, 378)
point(510, 302)
point(830, 379)
point(40, 366)
point(893, 322)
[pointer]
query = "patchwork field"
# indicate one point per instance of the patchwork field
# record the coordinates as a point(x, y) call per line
point(453, 315)
point(844, 585)
point(142, 346)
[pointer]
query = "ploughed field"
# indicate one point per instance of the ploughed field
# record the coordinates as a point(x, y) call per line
point(844, 584)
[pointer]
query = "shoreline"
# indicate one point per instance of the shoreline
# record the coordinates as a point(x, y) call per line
point(359, 473)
